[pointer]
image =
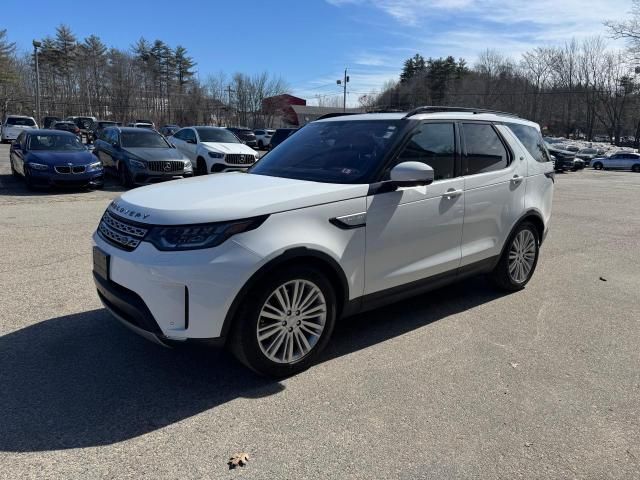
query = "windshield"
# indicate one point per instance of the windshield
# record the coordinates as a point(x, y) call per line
point(332, 152)
point(27, 122)
point(143, 139)
point(55, 142)
point(218, 135)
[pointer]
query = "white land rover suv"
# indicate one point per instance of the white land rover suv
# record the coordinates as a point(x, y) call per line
point(348, 214)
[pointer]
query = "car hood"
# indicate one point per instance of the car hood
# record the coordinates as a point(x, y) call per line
point(61, 158)
point(156, 153)
point(228, 147)
point(226, 196)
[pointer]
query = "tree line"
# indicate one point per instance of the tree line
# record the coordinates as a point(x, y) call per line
point(150, 80)
point(580, 88)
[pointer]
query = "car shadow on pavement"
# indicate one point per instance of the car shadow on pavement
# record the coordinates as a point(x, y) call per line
point(83, 380)
point(16, 187)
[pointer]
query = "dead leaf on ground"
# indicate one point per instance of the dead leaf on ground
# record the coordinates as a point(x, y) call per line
point(238, 460)
point(603, 279)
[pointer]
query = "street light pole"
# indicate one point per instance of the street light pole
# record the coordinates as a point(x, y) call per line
point(36, 45)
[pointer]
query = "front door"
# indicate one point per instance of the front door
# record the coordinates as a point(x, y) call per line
point(414, 232)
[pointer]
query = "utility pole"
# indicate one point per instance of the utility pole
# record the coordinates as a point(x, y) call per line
point(229, 90)
point(37, 45)
point(344, 82)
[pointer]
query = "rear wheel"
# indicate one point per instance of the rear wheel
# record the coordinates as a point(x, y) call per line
point(597, 166)
point(287, 321)
point(260, 145)
point(519, 259)
point(636, 168)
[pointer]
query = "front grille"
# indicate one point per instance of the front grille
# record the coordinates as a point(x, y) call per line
point(240, 158)
point(120, 232)
point(168, 166)
point(64, 169)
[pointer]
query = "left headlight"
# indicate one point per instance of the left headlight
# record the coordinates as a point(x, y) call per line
point(194, 237)
point(94, 166)
point(188, 165)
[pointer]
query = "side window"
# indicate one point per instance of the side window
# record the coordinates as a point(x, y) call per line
point(22, 140)
point(259, 132)
point(484, 151)
point(532, 141)
point(435, 145)
point(189, 135)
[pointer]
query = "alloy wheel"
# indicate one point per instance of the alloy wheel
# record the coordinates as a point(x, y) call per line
point(291, 321)
point(522, 256)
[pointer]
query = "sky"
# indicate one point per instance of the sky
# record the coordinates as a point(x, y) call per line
point(310, 42)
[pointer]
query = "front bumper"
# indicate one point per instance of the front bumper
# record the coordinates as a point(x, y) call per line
point(145, 177)
point(53, 179)
point(175, 296)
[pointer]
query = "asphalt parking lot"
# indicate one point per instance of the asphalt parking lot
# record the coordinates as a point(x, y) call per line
point(465, 382)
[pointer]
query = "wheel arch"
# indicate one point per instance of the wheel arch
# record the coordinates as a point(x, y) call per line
point(295, 256)
point(533, 216)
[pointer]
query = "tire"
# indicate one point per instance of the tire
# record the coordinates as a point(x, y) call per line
point(201, 167)
point(28, 181)
point(597, 166)
point(124, 176)
point(260, 145)
point(522, 248)
point(636, 168)
point(13, 170)
point(281, 326)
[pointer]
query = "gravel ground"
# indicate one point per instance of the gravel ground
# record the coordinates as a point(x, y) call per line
point(465, 382)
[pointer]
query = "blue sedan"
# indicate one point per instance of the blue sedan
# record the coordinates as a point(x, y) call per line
point(50, 158)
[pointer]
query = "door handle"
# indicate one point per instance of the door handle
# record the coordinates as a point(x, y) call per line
point(516, 179)
point(452, 193)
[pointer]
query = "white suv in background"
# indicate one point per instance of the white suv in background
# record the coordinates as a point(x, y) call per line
point(213, 149)
point(350, 213)
point(263, 137)
point(14, 125)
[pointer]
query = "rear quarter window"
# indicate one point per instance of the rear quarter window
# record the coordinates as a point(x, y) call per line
point(532, 141)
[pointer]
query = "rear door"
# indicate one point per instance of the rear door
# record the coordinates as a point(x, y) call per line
point(494, 190)
point(414, 232)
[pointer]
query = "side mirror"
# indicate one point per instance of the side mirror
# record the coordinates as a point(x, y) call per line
point(409, 174)
point(16, 145)
point(191, 140)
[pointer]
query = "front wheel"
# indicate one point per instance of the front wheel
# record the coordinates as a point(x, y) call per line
point(287, 321)
point(125, 177)
point(519, 259)
point(597, 166)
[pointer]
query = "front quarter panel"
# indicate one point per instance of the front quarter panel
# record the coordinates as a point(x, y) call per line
point(310, 228)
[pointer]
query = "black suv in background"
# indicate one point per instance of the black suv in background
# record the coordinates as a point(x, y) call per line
point(48, 122)
point(245, 135)
point(140, 156)
point(280, 136)
point(565, 159)
point(66, 126)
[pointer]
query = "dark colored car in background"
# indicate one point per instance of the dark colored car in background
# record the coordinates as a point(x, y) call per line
point(84, 124)
point(49, 158)
point(66, 127)
point(48, 122)
point(280, 136)
point(168, 130)
point(565, 159)
point(94, 129)
point(245, 135)
point(140, 156)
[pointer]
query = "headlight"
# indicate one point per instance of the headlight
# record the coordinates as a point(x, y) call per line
point(216, 155)
point(137, 164)
point(188, 165)
point(38, 166)
point(194, 237)
point(94, 166)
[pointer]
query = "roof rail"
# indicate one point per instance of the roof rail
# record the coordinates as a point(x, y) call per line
point(337, 114)
point(435, 109)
